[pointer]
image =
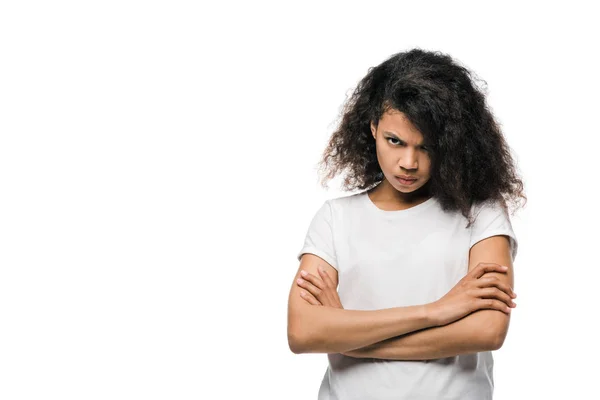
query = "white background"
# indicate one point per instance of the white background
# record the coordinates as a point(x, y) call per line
point(158, 175)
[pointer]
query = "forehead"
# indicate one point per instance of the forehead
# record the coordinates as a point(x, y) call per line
point(394, 121)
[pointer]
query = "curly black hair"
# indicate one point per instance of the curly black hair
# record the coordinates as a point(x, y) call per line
point(470, 159)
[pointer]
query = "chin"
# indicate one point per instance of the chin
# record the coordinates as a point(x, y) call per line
point(407, 190)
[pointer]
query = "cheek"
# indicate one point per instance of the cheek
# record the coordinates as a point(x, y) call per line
point(382, 154)
point(426, 164)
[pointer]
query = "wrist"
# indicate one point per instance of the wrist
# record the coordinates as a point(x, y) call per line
point(430, 312)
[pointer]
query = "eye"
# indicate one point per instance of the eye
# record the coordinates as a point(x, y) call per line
point(391, 138)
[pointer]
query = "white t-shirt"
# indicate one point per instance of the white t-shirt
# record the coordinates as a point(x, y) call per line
point(402, 258)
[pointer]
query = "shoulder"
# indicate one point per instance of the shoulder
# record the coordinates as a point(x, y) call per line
point(487, 206)
point(491, 218)
point(490, 211)
point(344, 202)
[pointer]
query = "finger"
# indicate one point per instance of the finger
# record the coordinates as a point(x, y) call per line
point(495, 293)
point(493, 304)
point(325, 276)
point(315, 291)
point(494, 281)
point(312, 279)
point(310, 298)
point(483, 268)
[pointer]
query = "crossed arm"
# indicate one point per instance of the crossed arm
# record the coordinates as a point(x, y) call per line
point(471, 334)
point(482, 330)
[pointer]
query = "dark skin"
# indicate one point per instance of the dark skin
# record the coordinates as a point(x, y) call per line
point(401, 152)
point(321, 291)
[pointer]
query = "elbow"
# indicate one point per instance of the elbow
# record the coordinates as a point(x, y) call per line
point(493, 328)
point(296, 336)
point(500, 331)
point(497, 339)
point(496, 336)
point(300, 334)
point(296, 342)
point(306, 333)
point(299, 342)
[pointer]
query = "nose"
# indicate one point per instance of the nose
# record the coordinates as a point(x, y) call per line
point(408, 160)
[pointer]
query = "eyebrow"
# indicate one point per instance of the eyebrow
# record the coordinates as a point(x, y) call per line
point(422, 144)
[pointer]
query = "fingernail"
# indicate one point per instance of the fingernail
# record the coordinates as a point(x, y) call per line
point(299, 280)
point(303, 273)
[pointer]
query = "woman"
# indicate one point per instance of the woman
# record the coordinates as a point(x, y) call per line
point(422, 257)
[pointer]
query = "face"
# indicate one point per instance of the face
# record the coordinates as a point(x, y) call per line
point(401, 152)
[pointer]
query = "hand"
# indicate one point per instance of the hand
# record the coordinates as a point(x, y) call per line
point(474, 292)
point(319, 292)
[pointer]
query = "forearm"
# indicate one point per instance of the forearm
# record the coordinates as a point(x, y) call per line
point(473, 333)
point(333, 330)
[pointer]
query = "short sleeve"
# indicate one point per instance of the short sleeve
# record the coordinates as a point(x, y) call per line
point(319, 238)
point(492, 219)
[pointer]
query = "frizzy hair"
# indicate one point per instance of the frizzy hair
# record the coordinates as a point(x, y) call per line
point(470, 159)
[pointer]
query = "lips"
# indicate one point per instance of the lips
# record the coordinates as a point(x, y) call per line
point(407, 178)
point(407, 182)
